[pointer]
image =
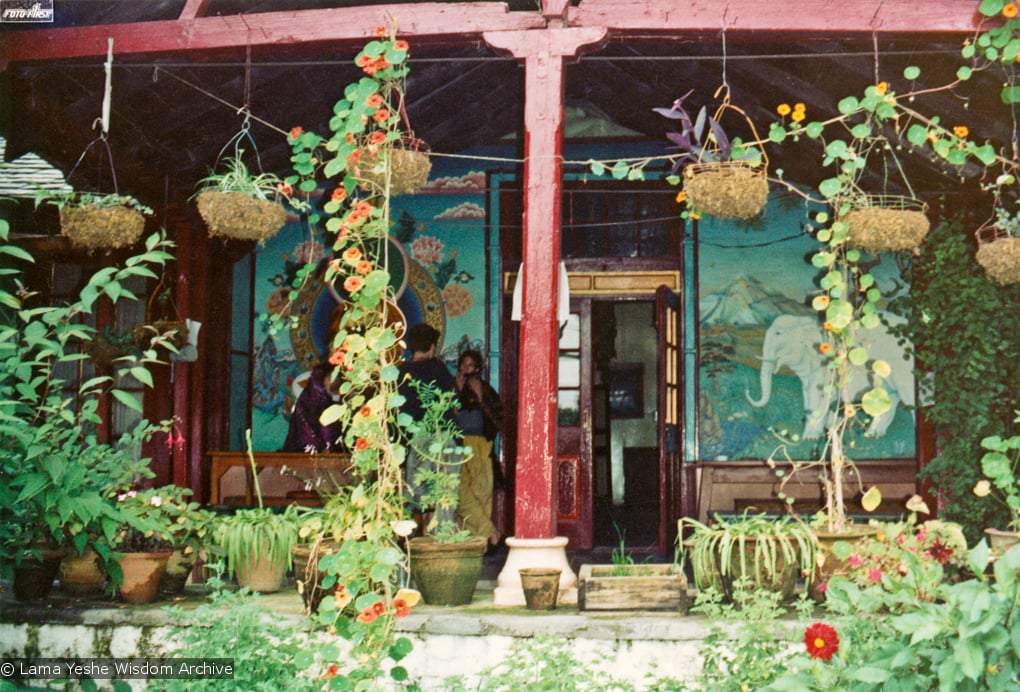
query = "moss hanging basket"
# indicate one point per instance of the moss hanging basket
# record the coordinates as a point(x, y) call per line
point(409, 165)
point(93, 227)
point(238, 216)
point(727, 189)
point(886, 223)
point(999, 253)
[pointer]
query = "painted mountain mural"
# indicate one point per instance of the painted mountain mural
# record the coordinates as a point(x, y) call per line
point(748, 303)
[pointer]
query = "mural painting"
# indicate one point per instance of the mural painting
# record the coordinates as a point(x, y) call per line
point(437, 261)
point(761, 370)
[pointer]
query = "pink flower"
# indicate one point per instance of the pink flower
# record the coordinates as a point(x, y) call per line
point(855, 560)
point(427, 250)
point(875, 575)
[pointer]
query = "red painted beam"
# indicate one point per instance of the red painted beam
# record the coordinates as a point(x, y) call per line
point(459, 21)
point(543, 54)
point(807, 16)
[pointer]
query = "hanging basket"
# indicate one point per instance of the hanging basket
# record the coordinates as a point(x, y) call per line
point(409, 164)
point(238, 216)
point(93, 227)
point(727, 189)
point(886, 223)
point(166, 323)
point(999, 253)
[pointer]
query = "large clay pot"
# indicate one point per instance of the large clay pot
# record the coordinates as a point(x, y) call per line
point(307, 576)
point(142, 573)
point(829, 563)
point(33, 578)
point(446, 573)
point(83, 574)
point(1000, 540)
point(262, 574)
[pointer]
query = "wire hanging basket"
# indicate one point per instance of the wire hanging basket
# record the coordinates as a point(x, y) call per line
point(728, 189)
point(885, 223)
point(408, 160)
point(999, 254)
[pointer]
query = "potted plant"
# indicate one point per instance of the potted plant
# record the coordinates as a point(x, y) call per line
point(256, 541)
point(1000, 464)
point(92, 220)
point(999, 247)
point(190, 539)
point(446, 562)
point(758, 550)
point(144, 542)
point(55, 470)
point(722, 177)
point(626, 585)
point(238, 203)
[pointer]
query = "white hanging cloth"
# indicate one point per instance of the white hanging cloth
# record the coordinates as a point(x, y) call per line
point(563, 304)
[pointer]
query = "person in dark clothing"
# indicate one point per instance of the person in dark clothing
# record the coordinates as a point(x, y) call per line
point(423, 366)
point(306, 433)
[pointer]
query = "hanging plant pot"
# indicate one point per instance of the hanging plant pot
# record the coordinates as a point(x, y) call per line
point(93, 227)
point(174, 331)
point(727, 189)
point(238, 216)
point(999, 253)
point(886, 223)
point(409, 165)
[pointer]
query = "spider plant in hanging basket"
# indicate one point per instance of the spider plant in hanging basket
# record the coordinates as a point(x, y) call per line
point(884, 223)
point(409, 165)
point(722, 177)
point(240, 204)
point(999, 247)
point(94, 221)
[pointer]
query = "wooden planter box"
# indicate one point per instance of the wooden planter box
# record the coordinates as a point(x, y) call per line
point(643, 587)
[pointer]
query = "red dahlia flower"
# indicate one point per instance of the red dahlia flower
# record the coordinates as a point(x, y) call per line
point(821, 641)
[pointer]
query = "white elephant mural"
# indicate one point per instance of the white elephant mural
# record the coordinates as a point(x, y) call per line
point(793, 341)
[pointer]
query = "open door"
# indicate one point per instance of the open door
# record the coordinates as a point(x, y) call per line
point(668, 321)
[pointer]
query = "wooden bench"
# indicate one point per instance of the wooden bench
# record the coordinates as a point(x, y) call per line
point(728, 487)
point(332, 467)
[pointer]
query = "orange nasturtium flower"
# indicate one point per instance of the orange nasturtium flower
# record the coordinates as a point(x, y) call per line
point(342, 597)
point(368, 615)
point(400, 608)
point(881, 88)
point(352, 255)
point(799, 107)
point(381, 115)
point(284, 189)
point(825, 349)
point(364, 267)
point(377, 137)
point(1010, 10)
point(363, 209)
point(361, 444)
point(353, 283)
point(681, 197)
point(373, 101)
point(961, 131)
point(295, 132)
point(783, 109)
point(797, 116)
point(339, 195)
point(380, 31)
point(400, 45)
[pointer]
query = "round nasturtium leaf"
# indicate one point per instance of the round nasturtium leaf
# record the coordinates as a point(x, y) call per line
point(881, 368)
point(876, 402)
point(871, 499)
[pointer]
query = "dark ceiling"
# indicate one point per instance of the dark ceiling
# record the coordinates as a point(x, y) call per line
point(172, 115)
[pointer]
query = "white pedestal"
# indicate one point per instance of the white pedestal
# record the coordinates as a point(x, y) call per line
point(534, 552)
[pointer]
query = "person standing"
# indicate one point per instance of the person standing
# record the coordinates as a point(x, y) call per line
point(423, 366)
point(480, 417)
point(305, 433)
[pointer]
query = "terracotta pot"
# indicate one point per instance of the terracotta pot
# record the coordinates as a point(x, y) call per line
point(262, 574)
point(541, 587)
point(829, 563)
point(82, 574)
point(446, 573)
point(33, 578)
point(142, 573)
point(307, 576)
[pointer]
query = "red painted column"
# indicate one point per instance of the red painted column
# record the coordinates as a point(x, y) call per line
point(543, 53)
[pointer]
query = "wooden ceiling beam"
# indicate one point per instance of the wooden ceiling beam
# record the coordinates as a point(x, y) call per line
point(460, 22)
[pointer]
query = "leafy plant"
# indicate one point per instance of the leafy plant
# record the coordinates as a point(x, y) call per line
point(56, 472)
point(696, 144)
point(267, 652)
point(769, 552)
point(77, 198)
point(1000, 464)
point(237, 177)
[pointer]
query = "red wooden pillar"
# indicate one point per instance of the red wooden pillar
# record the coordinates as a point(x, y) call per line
point(543, 53)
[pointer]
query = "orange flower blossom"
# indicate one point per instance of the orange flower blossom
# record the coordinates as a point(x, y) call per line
point(352, 255)
point(295, 132)
point(339, 195)
point(825, 349)
point(353, 284)
point(364, 267)
point(961, 131)
point(1010, 10)
point(373, 101)
point(377, 137)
